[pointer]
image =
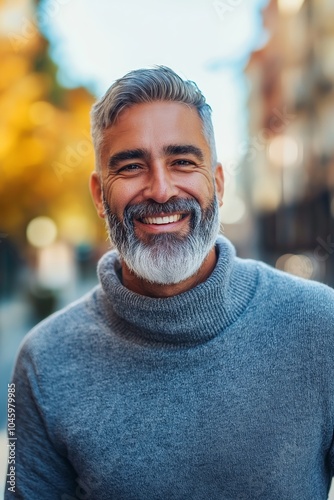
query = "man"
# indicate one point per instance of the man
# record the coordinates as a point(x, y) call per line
point(188, 373)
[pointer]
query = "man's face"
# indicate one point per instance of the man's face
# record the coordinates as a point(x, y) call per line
point(158, 189)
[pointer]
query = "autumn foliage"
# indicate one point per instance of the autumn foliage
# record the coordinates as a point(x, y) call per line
point(46, 154)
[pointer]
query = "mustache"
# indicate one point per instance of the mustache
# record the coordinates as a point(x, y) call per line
point(147, 209)
point(151, 208)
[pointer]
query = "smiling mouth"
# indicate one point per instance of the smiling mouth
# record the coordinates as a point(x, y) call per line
point(166, 219)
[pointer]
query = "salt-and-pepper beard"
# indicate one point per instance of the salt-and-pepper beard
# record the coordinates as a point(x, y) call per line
point(167, 258)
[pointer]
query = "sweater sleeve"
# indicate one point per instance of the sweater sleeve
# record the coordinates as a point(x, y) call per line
point(41, 471)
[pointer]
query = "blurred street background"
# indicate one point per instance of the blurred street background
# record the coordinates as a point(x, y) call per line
point(267, 70)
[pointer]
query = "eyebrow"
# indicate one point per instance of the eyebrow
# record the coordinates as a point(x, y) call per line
point(128, 154)
point(183, 149)
point(143, 154)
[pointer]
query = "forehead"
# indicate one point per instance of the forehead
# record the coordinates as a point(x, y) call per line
point(153, 126)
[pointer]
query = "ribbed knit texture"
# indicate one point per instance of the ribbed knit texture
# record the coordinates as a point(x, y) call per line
point(222, 392)
point(192, 317)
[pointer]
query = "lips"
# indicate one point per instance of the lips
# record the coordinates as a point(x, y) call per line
point(166, 219)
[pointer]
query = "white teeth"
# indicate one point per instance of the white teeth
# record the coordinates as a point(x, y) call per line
point(162, 220)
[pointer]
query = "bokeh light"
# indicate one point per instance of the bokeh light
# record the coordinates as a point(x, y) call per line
point(290, 7)
point(298, 265)
point(284, 151)
point(41, 232)
point(233, 210)
point(266, 194)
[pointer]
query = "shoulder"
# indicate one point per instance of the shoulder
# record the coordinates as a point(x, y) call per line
point(296, 296)
point(64, 329)
point(295, 315)
point(291, 284)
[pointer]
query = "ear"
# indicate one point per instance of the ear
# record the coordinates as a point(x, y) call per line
point(96, 192)
point(219, 182)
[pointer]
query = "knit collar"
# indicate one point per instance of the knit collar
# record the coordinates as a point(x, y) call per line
point(192, 317)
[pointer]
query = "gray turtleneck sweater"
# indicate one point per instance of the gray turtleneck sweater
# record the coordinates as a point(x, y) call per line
point(223, 392)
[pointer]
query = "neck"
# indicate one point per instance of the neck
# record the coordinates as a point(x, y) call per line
point(142, 287)
point(194, 316)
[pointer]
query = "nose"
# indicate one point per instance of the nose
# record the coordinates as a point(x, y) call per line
point(161, 185)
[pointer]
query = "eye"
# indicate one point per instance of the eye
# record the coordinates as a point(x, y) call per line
point(129, 168)
point(183, 163)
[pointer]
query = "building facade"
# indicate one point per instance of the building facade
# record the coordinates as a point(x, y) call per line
point(289, 165)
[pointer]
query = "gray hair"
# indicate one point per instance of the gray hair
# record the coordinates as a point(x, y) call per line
point(149, 85)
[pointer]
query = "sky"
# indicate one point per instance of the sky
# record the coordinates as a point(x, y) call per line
point(208, 41)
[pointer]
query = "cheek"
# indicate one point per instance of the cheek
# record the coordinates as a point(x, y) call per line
point(200, 189)
point(119, 195)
